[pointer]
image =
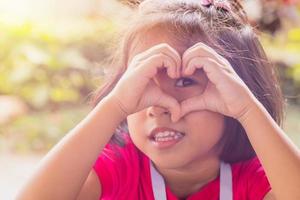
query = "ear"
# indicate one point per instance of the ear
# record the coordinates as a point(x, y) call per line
point(131, 3)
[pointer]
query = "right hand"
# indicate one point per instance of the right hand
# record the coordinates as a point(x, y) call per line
point(136, 89)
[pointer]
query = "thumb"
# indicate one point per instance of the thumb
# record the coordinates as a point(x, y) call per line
point(172, 105)
point(192, 104)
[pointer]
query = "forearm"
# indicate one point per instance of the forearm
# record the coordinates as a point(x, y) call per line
point(279, 156)
point(61, 174)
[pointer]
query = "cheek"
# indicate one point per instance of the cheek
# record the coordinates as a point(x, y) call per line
point(205, 125)
point(135, 124)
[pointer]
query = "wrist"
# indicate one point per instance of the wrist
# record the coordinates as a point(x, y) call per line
point(116, 106)
point(252, 109)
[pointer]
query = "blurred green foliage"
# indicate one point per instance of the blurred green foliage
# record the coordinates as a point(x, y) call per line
point(48, 67)
point(53, 68)
point(39, 131)
point(291, 123)
point(284, 51)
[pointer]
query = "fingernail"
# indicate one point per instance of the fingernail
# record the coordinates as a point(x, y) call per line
point(173, 119)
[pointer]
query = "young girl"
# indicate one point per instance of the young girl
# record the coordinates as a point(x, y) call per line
point(192, 112)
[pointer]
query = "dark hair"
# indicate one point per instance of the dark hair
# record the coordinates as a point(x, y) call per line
point(229, 33)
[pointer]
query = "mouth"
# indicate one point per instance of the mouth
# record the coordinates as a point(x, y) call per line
point(164, 137)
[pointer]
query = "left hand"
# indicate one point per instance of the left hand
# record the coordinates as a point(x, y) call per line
point(225, 93)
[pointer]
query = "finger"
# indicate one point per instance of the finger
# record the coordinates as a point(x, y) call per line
point(172, 105)
point(205, 51)
point(192, 104)
point(165, 49)
point(202, 50)
point(213, 70)
point(152, 64)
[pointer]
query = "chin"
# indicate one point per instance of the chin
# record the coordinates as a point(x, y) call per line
point(177, 161)
point(170, 162)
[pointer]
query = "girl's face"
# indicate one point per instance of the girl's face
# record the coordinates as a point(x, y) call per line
point(202, 129)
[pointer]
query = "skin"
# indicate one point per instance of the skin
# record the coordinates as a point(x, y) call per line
point(153, 102)
point(193, 162)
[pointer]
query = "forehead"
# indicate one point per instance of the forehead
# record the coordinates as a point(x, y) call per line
point(154, 37)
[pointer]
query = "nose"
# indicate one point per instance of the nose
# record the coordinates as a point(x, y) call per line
point(156, 111)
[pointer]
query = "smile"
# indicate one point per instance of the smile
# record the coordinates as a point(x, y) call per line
point(165, 137)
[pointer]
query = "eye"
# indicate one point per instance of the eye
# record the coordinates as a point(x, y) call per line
point(185, 81)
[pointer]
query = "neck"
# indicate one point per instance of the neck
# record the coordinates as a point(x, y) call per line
point(190, 178)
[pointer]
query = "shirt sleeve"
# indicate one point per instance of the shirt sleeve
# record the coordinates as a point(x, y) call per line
point(258, 183)
point(116, 168)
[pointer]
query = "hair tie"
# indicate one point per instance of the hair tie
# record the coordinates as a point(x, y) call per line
point(218, 4)
point(206, 3)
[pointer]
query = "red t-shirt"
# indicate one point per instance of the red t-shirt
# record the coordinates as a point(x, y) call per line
point(126, 175)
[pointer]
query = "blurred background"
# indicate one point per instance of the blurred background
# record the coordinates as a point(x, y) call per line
point(53, 56)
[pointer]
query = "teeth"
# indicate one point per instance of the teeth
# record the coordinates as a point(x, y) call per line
point(167, 136)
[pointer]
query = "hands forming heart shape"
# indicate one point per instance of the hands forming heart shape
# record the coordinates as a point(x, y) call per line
point(225, 92)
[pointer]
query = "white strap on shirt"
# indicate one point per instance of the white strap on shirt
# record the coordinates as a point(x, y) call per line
point(159, 189)
point(225, 182)
point(158, 184)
